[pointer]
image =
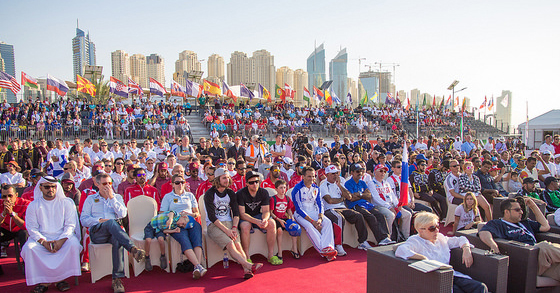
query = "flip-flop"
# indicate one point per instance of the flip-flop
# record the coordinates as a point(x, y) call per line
point(62, 286)
point(40, 289)
point(248, 275)
point(295, 254)
point(256, 267)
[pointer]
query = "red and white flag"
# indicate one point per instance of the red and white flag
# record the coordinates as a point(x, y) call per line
point(289, 91)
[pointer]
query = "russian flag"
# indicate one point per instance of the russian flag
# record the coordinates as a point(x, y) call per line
point(56, 85)
point(156, 88)
point(403, 200)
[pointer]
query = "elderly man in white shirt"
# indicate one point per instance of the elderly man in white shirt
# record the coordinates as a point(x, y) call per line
point(52, 252)
point(12, 177)
point(432, 245)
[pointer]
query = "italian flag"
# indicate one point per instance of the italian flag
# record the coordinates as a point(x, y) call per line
point(29, 81)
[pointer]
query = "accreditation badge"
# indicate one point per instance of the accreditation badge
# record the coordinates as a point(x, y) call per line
point(175, 200)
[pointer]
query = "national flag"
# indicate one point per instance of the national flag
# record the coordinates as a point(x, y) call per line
point(29, 81)
point(464, 105)
point(456, 103)
point(318, 94)
point(245, 92)
point(192, 89)
point(211, 88)
point(375, 96)
point(134, 88)
point(289, 91)
point(448, 100)
point(483, 104)
point(335, 98)
point(407, 104)
point(505, 101)
point(434, 102)
point(349, 98)
point(9, 82)
point(364, 99)
point(156, 88)
point(264, 93)
point(424, 102)
point(178, 90)
point(228, 92)
point(491, 104)
point(85, 86)
point(118, 88)
point(403, 199)
point(306, 94)
point(442, 102)
point(280, 94)
point(328, 97)
point(56, 85)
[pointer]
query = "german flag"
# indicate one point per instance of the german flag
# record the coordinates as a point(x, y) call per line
point(85, 86)
point(211, 88)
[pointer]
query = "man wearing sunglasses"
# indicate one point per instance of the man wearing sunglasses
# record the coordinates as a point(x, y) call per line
point(100, 214)
point(512, 227)
point(12, 218)
point(193, 181)
point(141, 188)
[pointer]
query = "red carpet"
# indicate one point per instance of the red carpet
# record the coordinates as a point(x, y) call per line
point(311, 273)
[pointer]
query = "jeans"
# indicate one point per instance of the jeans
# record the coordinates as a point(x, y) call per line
point(468, 285)
point(189, 238)
point(111, 232)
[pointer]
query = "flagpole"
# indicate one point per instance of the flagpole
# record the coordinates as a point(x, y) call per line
point(417, 130)
point(527, 123)
point(462, 121)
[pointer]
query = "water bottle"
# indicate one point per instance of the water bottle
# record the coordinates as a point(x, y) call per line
point(226, 261)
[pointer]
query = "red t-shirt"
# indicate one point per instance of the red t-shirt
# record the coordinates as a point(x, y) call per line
point(20, 208)
point(295, 180)
point(238, 182)
point(281, 207)
point(137, 190)
point(202, 188)
point(267, 183)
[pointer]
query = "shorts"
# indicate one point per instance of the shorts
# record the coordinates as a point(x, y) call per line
point(150, 232)
point(218, 236)
point(254, 226)
point(279, 225)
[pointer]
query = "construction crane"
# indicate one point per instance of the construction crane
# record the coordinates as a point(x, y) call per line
point(386, 64)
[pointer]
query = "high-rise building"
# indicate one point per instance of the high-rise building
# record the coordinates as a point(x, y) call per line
point(138, 70)
point(415, 97)
point(368, 83)
point(216, 68)
point(316, 67)
point(155, 67)
point(120, 65)
point(262, 69)
point(238, 68)
point(83, 52)
point(338, 73)
point(301, 80)
point(9, 61)
point(185, 66)
point(353, 90)
point(285, 75)
point(503, 111)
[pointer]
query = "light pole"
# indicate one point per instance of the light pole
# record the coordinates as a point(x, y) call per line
point(452, 88)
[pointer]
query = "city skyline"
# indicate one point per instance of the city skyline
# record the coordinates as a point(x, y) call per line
point(487, 46)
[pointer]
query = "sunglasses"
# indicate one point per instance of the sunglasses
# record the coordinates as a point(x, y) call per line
point(231, 163)
point(432, 228)
point(179, 182)
point(107, 183)
point(49, 186)
point(109, 166)
point(382, 171)
point(210, 174)
point(253, 182)
point(140, 175)
point(397, 167)
point(453, 166)
point(119, 163)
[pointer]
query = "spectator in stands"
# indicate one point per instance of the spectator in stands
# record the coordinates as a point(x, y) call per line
point(12, 218)
point(487, 182)
point(421, 188)
point(547, 145)
point(470, 183)
point(141, 188)
point(467, 215)
point(531, 168)
point(551, 195)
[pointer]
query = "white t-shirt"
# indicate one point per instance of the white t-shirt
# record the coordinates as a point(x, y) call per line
point(11, 179)
point(333, 191)
point(465, 218)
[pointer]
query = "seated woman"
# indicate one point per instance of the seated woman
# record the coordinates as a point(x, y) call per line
point(432, 245)
point(467, 214)
point(470, 183)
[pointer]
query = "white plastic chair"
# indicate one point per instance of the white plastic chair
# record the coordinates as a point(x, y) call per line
point(141, 210)
point(271, 191)
point(212, 252)
point(101, 261)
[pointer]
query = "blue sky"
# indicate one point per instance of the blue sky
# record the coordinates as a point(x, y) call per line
point(489, 46)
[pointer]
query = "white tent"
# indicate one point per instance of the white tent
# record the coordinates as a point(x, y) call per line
point(539, 127)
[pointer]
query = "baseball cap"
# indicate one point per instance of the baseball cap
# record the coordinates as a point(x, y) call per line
point(67, 178)
point(549, 180)
point(547, 152)
point(225, 135)
point(219, 172)
point(495, 168)
point(34, 172)
point(331, 169)
point(293, 228)
point(250, 175)
point(288, 161)
point(128, 168)
point(162, 165)
point(421, 157)
point(381, 166)
point(194, 166)
point(356, 167)
point(529, 180)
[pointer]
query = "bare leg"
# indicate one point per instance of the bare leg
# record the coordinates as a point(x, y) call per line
point(270, 237)
point(279, 234)
point(485, 206)
point(245, 228)
point(237, 253)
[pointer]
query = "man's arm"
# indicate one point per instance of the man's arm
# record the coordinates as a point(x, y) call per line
point(538, 214)
point(487, 238)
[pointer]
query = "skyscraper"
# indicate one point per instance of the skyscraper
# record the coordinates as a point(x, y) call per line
point(120, 65)
point(353, 90)
point(216, 68)
point(338, 73)
point(367, 83)
point(138, 70)
point(285, 75)
point(262, 69)
point(9, 62)
point(83, 52)
point(301, 80)
point(155, 67)
point(238, 68)
point(316, 67)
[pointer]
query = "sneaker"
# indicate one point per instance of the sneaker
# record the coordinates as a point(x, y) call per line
point(163, 262)
point(3, 252)
point(364, 246)
point(138, 254)
point(340, 250)
point(85, 267)
point(118, 286)
point(386, 241)
point(331, 257)
point(199, 272)
point(148, 264)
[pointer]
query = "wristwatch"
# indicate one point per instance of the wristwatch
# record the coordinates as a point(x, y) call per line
point(14, 214)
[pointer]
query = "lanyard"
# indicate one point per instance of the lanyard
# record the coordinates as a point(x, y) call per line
point(522, 228)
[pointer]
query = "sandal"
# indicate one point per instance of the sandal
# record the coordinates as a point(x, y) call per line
point(62, 286)
point(256, 267)
point(40, 289)
point(295, 254)
point(248, 275)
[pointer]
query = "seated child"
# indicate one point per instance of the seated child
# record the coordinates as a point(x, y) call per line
point(467, 215)
point(514, 184)
point(281, 210)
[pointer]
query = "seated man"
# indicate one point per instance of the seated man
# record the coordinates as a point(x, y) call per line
point(529, 189)
point(52, 252)
point(551, 195)
point(100, 214)
point(489, 188)
point(512, 227)
point(432, 245)
point(12, 218)
point(254, 211)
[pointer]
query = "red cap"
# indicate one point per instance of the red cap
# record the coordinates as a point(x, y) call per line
point(381, 166)
point(162, 165)
point(194, 166)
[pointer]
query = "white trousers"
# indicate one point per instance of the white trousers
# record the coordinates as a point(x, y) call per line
point(322, 239)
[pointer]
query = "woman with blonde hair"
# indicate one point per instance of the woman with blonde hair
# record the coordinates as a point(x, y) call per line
point(470, 183)
point(467, 214)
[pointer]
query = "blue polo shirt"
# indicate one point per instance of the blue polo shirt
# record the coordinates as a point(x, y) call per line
point(353, 186)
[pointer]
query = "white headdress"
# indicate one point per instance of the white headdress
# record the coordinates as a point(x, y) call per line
point(37, 193)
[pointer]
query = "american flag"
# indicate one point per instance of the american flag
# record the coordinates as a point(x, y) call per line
point(134, 88)
point(9, 82)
